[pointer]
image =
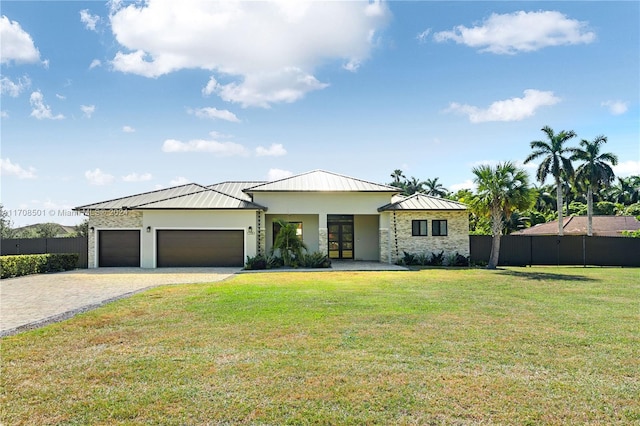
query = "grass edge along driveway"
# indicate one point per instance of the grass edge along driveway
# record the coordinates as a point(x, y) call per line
point(436, 346)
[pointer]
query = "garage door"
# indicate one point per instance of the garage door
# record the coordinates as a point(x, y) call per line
point(119, 248)
point(200, 248)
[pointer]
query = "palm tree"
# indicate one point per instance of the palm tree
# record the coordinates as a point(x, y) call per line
point(288, 242)
point(595, 171)
point(413, 185)
point(435, 188)
point(554, 162)
point(397, 176)
point(501, 191)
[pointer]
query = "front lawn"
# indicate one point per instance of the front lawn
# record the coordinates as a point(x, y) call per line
point(436, 346)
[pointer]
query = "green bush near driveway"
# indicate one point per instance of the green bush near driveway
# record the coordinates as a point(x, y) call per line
point(27, 264)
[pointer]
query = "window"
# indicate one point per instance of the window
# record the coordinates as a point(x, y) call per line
point(276, 229)
point(439, 228)
point(419, 228)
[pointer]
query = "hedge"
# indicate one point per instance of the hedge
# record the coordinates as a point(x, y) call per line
point(26, 264)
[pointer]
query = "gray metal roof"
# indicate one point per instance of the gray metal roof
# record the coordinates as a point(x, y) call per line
point(144, 198)
point(235, 189)
point(190, 196)
point(206, 199)
point(321, 181)
point(419, 201)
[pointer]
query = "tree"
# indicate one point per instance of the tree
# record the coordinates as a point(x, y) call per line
point(435, 188)
point(6, 225)
point(413, 185)
point(397, 176)
point(47, 230)
point(288, 242)
point(82, 229)
point(595, 172)
point(501, 191)
point(554, 162)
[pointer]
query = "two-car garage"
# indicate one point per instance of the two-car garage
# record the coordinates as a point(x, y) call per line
point(174, 248)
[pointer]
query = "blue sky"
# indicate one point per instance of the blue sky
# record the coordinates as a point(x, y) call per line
point(102, 100)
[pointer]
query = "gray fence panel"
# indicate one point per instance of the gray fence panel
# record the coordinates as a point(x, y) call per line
point(553, 250)
point(47, 245)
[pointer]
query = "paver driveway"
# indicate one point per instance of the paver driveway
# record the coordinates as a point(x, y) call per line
point(35, 300)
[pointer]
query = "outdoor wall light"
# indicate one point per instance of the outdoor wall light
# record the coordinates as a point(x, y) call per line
point(251, 230)
point(148, 229)
point(92, 229)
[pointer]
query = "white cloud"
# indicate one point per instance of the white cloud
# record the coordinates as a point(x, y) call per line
point(180, 180)
point(261, 89)
point(467, 184)
point(16, 44)
point(520, 32)
point(61, 97)
point(95, 63)
point(273, 62)
point(277, 174)
point(40, 109)
point(88, 110)
point(13, 89)
point(98, 177)
point(275, 150)
point(134, 177)
point(7, 168)
point(514, 109)
point(422, 37)
point(214, 113)
point(89, 20)
point(128, 129)
point(220, 149)
point(616, 107)
point(4, 114)
point(627, 168)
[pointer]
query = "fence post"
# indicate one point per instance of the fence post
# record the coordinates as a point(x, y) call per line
point(584, 252)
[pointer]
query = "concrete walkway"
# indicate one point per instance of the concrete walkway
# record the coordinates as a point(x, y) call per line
point(35, 300)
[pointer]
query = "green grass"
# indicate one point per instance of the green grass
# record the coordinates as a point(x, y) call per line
point(436, 346)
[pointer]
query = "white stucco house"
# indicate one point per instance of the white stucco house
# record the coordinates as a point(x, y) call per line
point(221, 224)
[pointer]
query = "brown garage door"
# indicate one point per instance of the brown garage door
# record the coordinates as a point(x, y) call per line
point(200, 248)
point(119, 248)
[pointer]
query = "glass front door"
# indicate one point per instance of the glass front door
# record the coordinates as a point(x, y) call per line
point(340, 236)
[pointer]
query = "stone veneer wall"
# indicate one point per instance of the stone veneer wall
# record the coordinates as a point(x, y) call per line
point(385, 245)
point(114, 219)
point(323, 241)
point(457, 239)
point(261, 238)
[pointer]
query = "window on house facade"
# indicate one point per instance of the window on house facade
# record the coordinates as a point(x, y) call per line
point(419, 228)
point(439, 228)
point(276, 229)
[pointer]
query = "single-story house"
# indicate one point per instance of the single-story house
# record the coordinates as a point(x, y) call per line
point(603, 226)
point(221, 224)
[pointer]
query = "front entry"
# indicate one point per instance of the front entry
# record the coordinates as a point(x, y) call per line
point(340, 236)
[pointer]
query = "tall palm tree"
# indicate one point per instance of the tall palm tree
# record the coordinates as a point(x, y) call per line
point(553, 162)
point(397, 176)
point(435, 188)
point(595, 171)
point(413, 185)
point(501, 191)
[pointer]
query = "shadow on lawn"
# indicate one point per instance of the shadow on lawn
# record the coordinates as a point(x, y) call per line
point(545, 276)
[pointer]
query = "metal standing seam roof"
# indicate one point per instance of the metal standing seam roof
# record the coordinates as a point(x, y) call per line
point(321, 181)
point(206, 199)
point(419, 201)
point(190, 196)
point(235, 188)
point(144, 198)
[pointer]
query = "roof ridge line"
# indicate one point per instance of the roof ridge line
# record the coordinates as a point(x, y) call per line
point(137, 195)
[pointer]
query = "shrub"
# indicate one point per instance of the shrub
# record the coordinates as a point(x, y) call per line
point(437, 259)
point(456, 259)
point(256, 262)
point(315, 260)
point(409, 259)
point(27, 264)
